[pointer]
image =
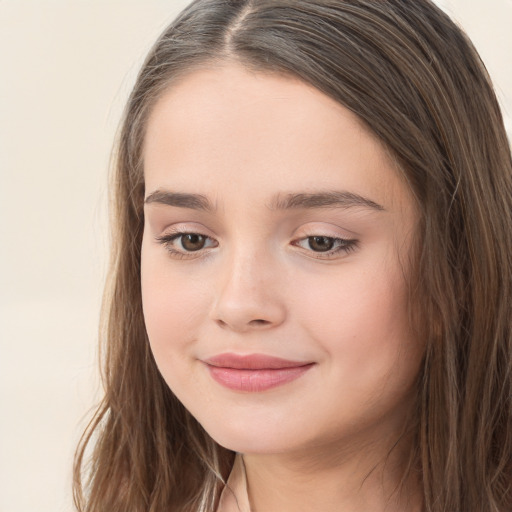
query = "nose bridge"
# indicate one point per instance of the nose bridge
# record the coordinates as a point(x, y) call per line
point(247, 293)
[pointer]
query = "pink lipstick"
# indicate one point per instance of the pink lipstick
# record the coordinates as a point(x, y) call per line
point(255, 372)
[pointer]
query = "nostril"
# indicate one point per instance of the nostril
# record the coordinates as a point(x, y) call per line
point(258, 322)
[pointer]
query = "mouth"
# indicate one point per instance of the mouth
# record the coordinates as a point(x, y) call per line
point(254, 373)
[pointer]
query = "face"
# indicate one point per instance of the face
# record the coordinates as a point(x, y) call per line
point(274, 263)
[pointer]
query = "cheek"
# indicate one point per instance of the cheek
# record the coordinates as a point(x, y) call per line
point(173, 305)
point(371, 359)
point(360, 319)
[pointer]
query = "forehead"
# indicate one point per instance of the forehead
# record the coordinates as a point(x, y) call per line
point(227, 129)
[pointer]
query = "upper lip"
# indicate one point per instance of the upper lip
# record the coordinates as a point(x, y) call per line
point(252, 362)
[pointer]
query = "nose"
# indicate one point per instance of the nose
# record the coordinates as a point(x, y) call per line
point(247, 296)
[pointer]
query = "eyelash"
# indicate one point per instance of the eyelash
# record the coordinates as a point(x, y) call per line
point(167, 240)
point(341, 245)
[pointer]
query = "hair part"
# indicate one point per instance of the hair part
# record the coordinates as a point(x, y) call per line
point(418, 84)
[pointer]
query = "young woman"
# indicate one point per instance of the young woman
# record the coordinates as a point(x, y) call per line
point(311, 288)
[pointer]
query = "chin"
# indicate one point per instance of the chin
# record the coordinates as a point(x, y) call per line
point(250, 446)
point(252, 439)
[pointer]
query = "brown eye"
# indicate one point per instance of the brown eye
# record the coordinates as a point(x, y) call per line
point(182, 245)
point(326, 247)
point(321, 243)
point(192, 241)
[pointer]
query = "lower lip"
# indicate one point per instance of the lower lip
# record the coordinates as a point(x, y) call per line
point(256, 380)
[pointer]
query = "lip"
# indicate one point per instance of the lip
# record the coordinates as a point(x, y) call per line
point(254, 372)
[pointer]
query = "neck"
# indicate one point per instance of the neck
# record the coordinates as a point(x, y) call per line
point(333, 479)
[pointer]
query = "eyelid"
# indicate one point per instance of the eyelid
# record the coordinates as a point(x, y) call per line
point(345, 246)
point(342, 244)
point(173, 233)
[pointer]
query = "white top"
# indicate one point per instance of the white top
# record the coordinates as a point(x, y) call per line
point(234, 497)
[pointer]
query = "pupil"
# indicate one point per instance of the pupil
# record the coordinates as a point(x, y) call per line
point(321, 243)
point(192, 242)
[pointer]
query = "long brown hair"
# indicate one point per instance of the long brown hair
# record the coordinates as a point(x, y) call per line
point(417, 82)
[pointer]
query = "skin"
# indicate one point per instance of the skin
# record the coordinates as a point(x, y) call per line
point(243, 140)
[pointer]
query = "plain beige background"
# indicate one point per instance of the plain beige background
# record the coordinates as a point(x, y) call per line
point(66, 69)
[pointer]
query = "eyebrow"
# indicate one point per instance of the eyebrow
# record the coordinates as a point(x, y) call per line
point(328, 199)
point(323, 199)
point(180, 200)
